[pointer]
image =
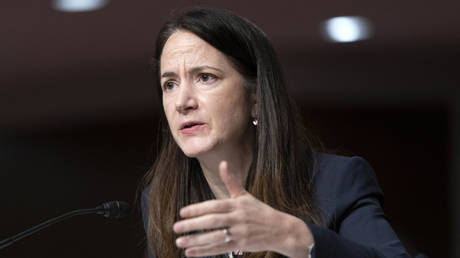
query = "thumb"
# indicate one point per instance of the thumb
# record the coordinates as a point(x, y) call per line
point(234, 186)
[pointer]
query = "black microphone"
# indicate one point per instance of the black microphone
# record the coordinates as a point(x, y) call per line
point(111, 210)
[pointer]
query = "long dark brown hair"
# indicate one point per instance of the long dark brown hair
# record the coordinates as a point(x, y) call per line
point(282, 169)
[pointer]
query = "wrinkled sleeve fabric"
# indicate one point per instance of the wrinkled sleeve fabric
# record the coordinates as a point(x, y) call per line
point(350, 202)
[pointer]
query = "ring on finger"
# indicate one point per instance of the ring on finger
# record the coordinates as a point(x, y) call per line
point(227, 235)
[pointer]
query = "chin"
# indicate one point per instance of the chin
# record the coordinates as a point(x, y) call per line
point(195, 150)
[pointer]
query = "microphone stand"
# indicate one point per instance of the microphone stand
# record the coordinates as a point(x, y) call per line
point(6, 242)
point(113, 210)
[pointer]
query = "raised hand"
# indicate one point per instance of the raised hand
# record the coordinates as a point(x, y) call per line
point(240, 223)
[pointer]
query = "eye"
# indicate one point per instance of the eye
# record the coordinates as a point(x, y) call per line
point(206, 77)
point(168, 85)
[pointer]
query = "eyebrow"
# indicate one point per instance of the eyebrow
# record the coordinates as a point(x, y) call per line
point(193, 70)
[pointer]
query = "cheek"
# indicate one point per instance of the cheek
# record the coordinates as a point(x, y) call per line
point(232, 115)
point(169, 112)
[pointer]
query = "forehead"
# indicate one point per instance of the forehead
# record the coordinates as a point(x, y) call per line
point(185, 49)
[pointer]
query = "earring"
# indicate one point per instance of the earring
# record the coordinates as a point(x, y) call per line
point(255, 121)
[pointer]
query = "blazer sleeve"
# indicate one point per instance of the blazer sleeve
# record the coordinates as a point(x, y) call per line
point(145, 212)
point(349, 195)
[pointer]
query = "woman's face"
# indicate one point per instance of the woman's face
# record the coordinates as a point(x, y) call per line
point(204, 98)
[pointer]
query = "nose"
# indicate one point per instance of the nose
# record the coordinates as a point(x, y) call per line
point(186, 100)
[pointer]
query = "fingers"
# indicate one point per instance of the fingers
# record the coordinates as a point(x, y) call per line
point(210, 215)
point(210, 250)
point(204, 222)
point(206, 244)
point(215, 237)
point(202, 208)
point(234, 186)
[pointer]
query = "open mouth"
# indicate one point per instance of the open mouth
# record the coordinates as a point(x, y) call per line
point(189, 125)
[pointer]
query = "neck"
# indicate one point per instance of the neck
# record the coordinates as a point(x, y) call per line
point(239, 162)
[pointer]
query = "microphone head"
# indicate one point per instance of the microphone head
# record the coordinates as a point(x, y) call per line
point(114, 209)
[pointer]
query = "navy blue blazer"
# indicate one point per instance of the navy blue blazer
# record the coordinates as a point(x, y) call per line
point(350, 202)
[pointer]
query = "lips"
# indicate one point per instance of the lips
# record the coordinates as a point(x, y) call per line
point(191, 127)
point(190, 124)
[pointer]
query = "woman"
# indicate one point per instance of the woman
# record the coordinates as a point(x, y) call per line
point(235, 173)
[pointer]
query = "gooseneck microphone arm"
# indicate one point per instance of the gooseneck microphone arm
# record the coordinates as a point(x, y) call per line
point(113, 210)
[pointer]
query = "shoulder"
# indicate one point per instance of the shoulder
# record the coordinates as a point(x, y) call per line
point(341, 181)
point(340, 173)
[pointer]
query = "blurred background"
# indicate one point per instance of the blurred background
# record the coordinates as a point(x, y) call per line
point(78, 110)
